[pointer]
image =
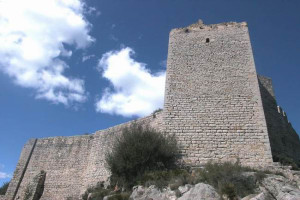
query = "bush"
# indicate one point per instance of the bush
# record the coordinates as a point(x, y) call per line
point(98, 192)
point(227, 178)
point(285, 160)
point(3, 188)
point(162, 178)
point(137, 150)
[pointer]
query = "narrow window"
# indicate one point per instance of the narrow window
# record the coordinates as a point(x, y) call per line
point(207, 40)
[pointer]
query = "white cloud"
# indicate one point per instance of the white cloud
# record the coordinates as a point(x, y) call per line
point(32, 38)
point(136, 92)
point(87, 57)
point(4, 175)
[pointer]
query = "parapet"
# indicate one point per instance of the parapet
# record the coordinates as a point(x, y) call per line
point(201, 26)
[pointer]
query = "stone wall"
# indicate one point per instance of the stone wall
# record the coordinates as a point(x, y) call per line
point(212, 97)
point(283, 138)
point(71, 163)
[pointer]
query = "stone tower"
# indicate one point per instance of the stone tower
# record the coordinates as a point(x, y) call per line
point(212, 99)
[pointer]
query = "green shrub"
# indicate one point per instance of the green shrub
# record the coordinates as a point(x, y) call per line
point(28, 192)
point(137, 150)
point(162, 178)
point(260, 175)
point(227, 178)
point(98, 192)
point(286, 160)
point(120, 196)
point(3, 188)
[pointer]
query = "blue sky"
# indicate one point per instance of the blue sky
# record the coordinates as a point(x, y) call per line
point(73, 67)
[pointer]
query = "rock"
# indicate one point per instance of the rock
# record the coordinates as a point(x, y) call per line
point(89, 196)
point(184, 189)
point(152, 193)
point(260, 196)
point(280, 188)
point(201, 191)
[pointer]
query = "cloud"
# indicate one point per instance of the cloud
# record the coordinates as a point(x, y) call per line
point(33, 40)
point(87, 57)
point(92, 11)
point(4, 175)
point(135, 91)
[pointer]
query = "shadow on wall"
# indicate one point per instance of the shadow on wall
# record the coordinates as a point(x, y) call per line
point(283, 138)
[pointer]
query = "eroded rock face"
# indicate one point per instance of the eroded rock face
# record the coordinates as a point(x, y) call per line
point(260, 196)
point(152, 193)
point(200, 191)
point(279, 188)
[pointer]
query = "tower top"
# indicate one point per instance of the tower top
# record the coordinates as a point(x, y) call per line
point(200, 25)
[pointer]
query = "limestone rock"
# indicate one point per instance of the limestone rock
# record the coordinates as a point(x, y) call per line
point(152, 193)
point(280, 188)
point(201, 191)
point(260, 196)
point(184, 189)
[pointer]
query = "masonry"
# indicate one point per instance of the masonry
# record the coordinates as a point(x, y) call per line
point(216, 105)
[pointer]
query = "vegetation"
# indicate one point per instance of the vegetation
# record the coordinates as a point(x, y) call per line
point(155, 112)
point(28, 192)
point(138, 150)
point(99, 192)
point(287, 161)
point(228, 179)
point(142, 156)
point(3, 188)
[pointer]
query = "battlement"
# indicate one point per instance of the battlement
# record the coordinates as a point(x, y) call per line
point(200, 26)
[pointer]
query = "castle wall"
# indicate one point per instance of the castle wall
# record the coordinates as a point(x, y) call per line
point(212, 98)
point(96, 170)
point(20, 169)
point(283, 138)
point(71, 163)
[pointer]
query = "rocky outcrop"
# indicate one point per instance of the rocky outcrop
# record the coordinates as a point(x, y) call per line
point(200, 191)
point(260, 196)
point(152, 193)
point(188, 192)
point(279, 188)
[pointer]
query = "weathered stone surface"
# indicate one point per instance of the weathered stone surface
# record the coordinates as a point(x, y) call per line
point(151, 193)
point(283, 138)
point(280, 188)
point(212, 100)
point(72, 163)
point(184, 189)
point(201, 191)
point(260, 196)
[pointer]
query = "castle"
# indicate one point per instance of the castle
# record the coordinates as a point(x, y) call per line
point(215, 103)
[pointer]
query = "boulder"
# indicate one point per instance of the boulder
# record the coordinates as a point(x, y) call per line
point(200, 191)
point(152, 193)
point(184, 189)
point(280, 188)
point(260, 196)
